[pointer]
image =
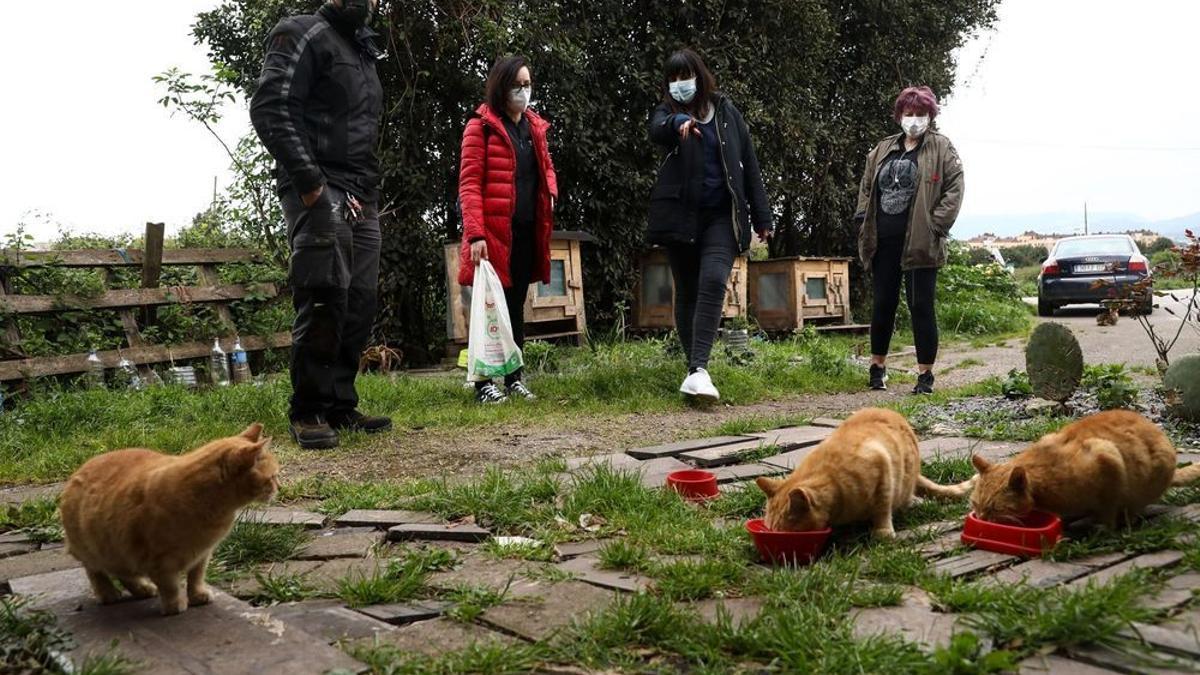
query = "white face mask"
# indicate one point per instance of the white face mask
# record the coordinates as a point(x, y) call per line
point(683, 90)
point(914, 126)
point(520, 97)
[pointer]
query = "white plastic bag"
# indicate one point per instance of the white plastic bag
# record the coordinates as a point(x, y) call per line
point(491, 350)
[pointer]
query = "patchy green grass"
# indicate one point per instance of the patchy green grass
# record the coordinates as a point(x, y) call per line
point(753, 424)
point(620, 554)
point(471, 601)
point(273, 588)
point(32, 642)
point(1144, 536)
point(387, 583)
point(49, 435)
point(38, 517)
point(251, 543)
point(699, 579)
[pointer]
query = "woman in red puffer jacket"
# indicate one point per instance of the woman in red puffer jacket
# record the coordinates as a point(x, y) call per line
point(507, 188)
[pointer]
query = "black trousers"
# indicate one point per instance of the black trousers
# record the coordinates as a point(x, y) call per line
point(335, 279)
point(701, 274)
point(520, 272)
point(920, 291)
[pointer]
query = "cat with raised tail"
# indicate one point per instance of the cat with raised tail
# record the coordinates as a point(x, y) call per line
point(867, 469)
point(1109, 466)
point(145, 519)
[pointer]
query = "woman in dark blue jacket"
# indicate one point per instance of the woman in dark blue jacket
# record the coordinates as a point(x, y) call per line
point(708, 196)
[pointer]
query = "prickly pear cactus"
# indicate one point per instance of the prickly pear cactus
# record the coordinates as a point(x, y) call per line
point(1182, 382)
point(1054, 362)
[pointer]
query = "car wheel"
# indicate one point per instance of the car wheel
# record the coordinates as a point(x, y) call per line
point(1146, 308)
point(1045, 308)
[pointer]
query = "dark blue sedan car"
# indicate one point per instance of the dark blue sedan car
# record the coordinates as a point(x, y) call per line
point(1092, 269)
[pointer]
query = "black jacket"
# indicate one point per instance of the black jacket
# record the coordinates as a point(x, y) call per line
point(676, 196)
point(318, 104)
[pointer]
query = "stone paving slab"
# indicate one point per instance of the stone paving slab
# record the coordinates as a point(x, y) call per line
point(279, 515)
point(1103, 657)
point(574, 549)
point(735, 610)
point(587, 568)
point(383, 518)
point(790, 438)
point(37, 562)
point(405, 613)
point(437, 532)
point(914, 619)
point(323, 575)
point(228, 636)
point(941, 545)
point(971, 562)
point(1057, 665)
point(617, 462)
point(15, 537)
point(830, 422)
point(340, 544)
point(441, 636)
point(1041, 573)
point(483, 571)
point(655, 471)
point(1186, 643)
point(725, 454)
point(929, 530)
point(25, 493)
point(947, 447)
point(789, 460)
point(741, 472)
point(9, 550)
point(1157, 560)
point(677, 447)
point(328, 620)
point(539, 616)
point(1177, 591)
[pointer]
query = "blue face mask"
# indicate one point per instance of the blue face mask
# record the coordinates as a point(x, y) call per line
point(683, 90)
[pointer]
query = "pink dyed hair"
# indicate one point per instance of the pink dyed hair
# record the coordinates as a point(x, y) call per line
point(916, 98)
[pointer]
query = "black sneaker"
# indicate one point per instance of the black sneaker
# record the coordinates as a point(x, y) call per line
point(519, 390)
point(489, 394)
point(313, 433)
point(356, 421)
point(878, 378)
point(924, 383)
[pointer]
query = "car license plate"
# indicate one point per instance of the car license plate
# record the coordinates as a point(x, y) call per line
point(1085, 269)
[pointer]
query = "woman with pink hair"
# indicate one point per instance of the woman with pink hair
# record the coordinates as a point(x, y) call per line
point(908, 199)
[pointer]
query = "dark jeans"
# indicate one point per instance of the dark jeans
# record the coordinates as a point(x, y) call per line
point(701, 273)
point(520, 272)
point(335, 278)
point(920, 291)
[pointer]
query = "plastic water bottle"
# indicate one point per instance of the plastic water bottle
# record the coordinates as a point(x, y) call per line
point(241, 363)
point(218, 365)
point(93, 377)
point(129, 374)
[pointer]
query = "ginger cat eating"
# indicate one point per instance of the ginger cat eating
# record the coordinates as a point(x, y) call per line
point(1108, 466)
point(868, 468)
point(145, 518)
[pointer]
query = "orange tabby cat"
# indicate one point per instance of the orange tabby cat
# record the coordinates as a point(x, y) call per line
point(1110, 465)
point(868, 468)
point(146, 518)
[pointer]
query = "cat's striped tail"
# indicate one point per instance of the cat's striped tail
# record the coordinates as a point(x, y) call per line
point(928, 488)
point(1186, 474)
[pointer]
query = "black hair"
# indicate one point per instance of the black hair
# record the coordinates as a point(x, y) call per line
point(501, 80)
point(687, 63)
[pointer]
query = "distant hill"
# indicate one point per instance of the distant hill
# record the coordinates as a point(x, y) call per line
point(1070, 223)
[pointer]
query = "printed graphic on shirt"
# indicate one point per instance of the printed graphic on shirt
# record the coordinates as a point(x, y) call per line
point(897, 184)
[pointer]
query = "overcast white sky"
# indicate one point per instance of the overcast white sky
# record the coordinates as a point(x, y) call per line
point(1074, 100)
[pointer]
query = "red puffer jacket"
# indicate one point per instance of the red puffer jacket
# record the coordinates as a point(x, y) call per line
point(487, 188)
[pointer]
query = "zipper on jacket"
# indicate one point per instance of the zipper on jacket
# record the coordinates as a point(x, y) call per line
point(737, 226)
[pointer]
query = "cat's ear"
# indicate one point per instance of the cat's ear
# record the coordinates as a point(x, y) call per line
point(252, 432)
point(980, 463)
point(244, 458)
point(799, 501)
point(1018, 480)
point(769, 486)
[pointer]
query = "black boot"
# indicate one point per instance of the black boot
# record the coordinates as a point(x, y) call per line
point(313, 433)
point(356, 421)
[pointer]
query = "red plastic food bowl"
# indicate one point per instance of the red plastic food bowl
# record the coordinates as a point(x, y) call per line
point(787, 548)
point(1039, 532)
point(693, 484)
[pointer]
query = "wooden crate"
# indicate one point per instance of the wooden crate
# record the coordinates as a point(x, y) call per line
point(785, 293)
point(552, 310)
point(654, 293)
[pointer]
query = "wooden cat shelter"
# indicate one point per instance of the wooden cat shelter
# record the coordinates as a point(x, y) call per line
point(654, 293)
point(554, 310)
point(786, 293)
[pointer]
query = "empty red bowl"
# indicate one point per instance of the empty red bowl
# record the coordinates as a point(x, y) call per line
point(1038, 532)
point(693, 484)
point(786, 548)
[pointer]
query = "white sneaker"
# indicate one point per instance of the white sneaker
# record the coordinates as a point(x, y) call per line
point(700, 385)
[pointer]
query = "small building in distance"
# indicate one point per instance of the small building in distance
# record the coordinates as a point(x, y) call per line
point(1031, 238)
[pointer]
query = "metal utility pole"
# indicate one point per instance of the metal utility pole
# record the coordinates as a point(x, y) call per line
point(1085, 222)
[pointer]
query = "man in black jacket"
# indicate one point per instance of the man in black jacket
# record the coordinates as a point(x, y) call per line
point(317, 110)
